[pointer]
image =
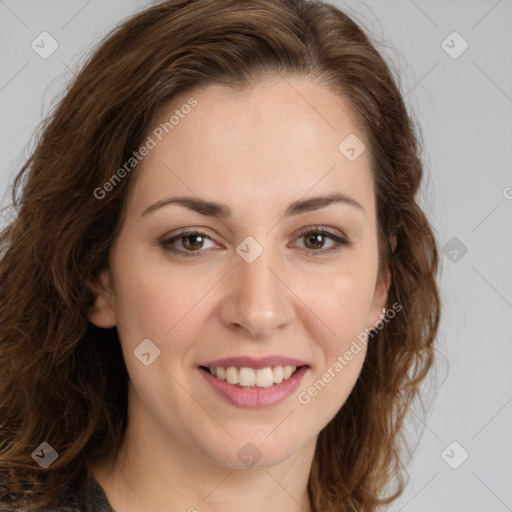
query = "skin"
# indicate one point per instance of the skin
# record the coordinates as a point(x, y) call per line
point(256, 152)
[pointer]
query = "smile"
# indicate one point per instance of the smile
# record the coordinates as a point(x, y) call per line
point(249, 387)
point(249, 377)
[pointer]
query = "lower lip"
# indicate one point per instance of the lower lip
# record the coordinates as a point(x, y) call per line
point(255, 398)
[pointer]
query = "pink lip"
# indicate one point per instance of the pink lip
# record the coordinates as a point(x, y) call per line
point(254, 398)
point(255, 363)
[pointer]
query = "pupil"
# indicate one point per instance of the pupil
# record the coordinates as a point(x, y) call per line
point(193, 245)
point(316, 240)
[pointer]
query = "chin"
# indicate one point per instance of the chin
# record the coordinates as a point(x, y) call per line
point(249, 456)
point(256, 450)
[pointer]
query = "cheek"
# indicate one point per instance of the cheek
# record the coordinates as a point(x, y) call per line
point(340, 301)
point(324, 395)
point(341, 349)
point(165, 304)
point(156, 304)
point(152, 297)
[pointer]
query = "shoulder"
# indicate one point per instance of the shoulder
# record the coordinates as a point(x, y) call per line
point(89, 498)
point(97, 499)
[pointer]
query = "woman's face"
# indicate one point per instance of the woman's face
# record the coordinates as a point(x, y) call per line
point(249, 270)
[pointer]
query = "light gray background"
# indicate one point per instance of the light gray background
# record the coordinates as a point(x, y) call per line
point(464, 107)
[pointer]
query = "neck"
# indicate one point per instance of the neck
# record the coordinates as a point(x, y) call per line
point(156, 472)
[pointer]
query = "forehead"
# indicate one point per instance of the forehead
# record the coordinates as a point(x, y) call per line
point(270, 143)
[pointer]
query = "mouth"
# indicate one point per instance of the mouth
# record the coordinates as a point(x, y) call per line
point(246, 377)
point(249, 382)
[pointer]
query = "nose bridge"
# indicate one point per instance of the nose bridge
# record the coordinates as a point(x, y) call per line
point(258, 300)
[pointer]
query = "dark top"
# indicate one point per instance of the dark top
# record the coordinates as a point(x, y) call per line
point(90, 498)
point(93, 498)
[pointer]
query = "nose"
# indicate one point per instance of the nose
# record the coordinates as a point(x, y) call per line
point(257, 300)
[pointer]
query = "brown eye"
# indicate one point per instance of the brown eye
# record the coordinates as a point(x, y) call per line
point(192, 242)
point(315, 240)
point(187, 243)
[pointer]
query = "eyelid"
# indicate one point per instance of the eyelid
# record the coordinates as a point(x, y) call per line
point(327, 230)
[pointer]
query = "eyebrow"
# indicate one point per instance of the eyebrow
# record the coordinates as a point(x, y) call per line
point(221, 211)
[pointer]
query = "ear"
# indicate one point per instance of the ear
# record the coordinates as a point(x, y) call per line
point(381, 291)
point(393, 241)
point(380, 297)
point(102, 313)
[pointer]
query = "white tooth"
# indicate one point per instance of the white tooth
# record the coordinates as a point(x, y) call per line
point(278, 374)
point(264, 377)
point(287, 372)
point(232, 375)
point(247, 376)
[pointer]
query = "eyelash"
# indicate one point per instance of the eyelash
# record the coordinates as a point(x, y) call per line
point(340, 243)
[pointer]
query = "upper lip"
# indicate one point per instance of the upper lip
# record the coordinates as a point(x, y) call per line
point(254, 362)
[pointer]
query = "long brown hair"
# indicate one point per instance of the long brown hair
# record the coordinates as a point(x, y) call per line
point(63, 380)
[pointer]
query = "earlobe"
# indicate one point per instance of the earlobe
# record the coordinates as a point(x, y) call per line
point(380, 296)
point(393, 242)
point(101, 312)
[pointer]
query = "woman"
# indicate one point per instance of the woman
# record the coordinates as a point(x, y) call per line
point(219, 290)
